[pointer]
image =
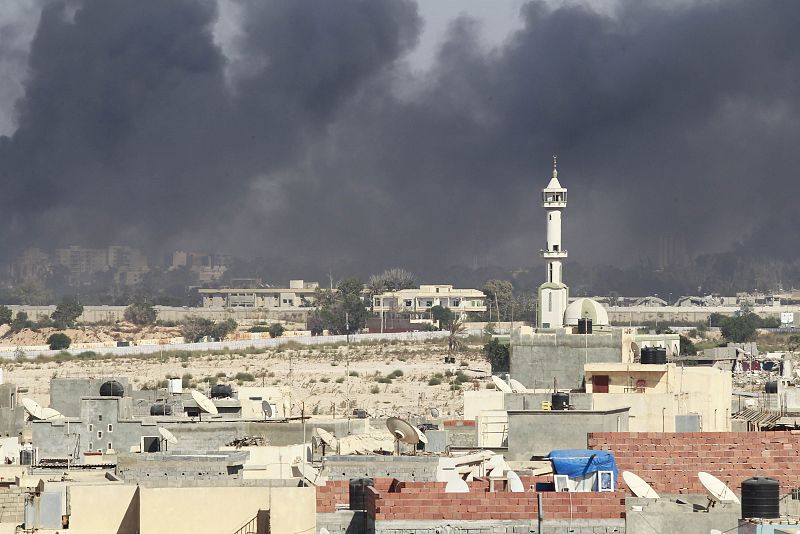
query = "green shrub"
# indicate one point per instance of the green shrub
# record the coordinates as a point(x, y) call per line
point(375, 390)
point(59, 341)
point(244, 377)
point(434, 381)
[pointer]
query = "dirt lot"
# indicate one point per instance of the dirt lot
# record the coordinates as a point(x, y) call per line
point(320, 377)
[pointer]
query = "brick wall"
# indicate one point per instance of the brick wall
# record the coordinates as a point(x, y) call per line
point(428, 501)
point(670, 462)
point(333, 493)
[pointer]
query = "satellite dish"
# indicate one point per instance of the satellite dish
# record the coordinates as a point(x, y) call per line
point(324, 530)
point(204, 403)
point(514, 483)
point(496, 463)
point(435, 413)
point(266, 407)
point(500, 384)
point(33, 408)
point(639, 487)
point(517, 386)
point(327, 438)
point(716, 489)
point(49, 414)
point(402, 431)
point(456, 485)
point(168, 436)
point(421, 435)
point(308, 473)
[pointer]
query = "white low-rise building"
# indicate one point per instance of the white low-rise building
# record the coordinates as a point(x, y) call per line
point(418, 302)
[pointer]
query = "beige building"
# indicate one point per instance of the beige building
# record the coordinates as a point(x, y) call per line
point(299, 294)
point(103, 507)
point(418, 302)
point(663, 398)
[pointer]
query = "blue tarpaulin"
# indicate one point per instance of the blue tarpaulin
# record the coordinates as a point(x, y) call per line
point(579, 463)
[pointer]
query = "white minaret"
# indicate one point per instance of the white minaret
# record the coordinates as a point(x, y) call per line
point(553, 294)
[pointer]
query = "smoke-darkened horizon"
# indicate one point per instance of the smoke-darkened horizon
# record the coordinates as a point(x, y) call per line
point(319, 143)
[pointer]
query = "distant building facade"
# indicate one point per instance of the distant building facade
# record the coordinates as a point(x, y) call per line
point(418, 302)
point(299, 294)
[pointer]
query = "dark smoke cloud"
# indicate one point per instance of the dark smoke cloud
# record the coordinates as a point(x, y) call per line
point(326, 149)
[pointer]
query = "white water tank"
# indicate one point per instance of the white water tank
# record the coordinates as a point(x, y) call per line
point(174, 386)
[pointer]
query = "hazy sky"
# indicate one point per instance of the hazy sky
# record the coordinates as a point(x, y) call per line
point(391, 132)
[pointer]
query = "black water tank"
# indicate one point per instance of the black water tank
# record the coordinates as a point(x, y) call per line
point(559, 401)
point(761, 498)
point(584, 326)
point(646, 355)
point(26, 457)
point(653, 355)
point(771, 387)
point(160, 409)
point(358, 490)
point(221, 391)
point(111, 388)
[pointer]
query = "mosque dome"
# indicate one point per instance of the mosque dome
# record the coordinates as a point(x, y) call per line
point(584, 308)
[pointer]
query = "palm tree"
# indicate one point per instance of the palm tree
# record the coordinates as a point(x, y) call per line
point(454, 341)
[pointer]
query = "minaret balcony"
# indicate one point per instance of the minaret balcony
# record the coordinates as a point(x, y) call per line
point(554, 204)
point(553, 254)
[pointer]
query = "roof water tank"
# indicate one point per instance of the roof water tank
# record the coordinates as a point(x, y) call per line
point(174, 386)
point(771, 387)
point(760, 498)
point(221, 391)
point(559, 401)
point(358, 490)
point(584, 326)
point(160, 409)
point(111, 388)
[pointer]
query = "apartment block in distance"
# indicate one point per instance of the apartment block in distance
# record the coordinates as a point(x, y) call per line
point(418, 302)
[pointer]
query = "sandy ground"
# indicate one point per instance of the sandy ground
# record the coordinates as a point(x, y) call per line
point(319, 377)
point(93, 334)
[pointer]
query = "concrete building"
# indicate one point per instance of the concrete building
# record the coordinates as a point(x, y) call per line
point(299, 294)
point(663, 398)
point(418, 302)
point(12, 414)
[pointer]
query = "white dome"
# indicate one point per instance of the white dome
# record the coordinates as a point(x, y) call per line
point(585, 309)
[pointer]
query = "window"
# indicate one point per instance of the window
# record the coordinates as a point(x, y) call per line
point(99, 434)
point(99, 417)
point(600, 384)
point(110, 428)
point(91, 429)
point(408, 303)
point(109, 446)
point(549, 302)
point(90, 447)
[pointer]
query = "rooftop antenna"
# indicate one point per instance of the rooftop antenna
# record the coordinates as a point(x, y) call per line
point(167, 437)
point(716, 489)
point(500, 384)
point(204, 403)
point(402, 431)
point(638, 486)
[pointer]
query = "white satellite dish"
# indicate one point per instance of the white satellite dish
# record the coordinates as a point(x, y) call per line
point(435, 413)
point(33, 408)
point(324, 530)
point(421, 435)
point(716, 489)
point(639, 487)
point(496, 463)
point(501, 385)
point(168, 436)
point(517, 386)
point(204, 403)
point(515, 485)
point(402, 431)
point(308, 473)
point(456, 485)
point(49, 414)
point(266, 407)
point(327, 438)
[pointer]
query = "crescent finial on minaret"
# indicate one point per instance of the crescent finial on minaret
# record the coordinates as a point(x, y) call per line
point(555, 166)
